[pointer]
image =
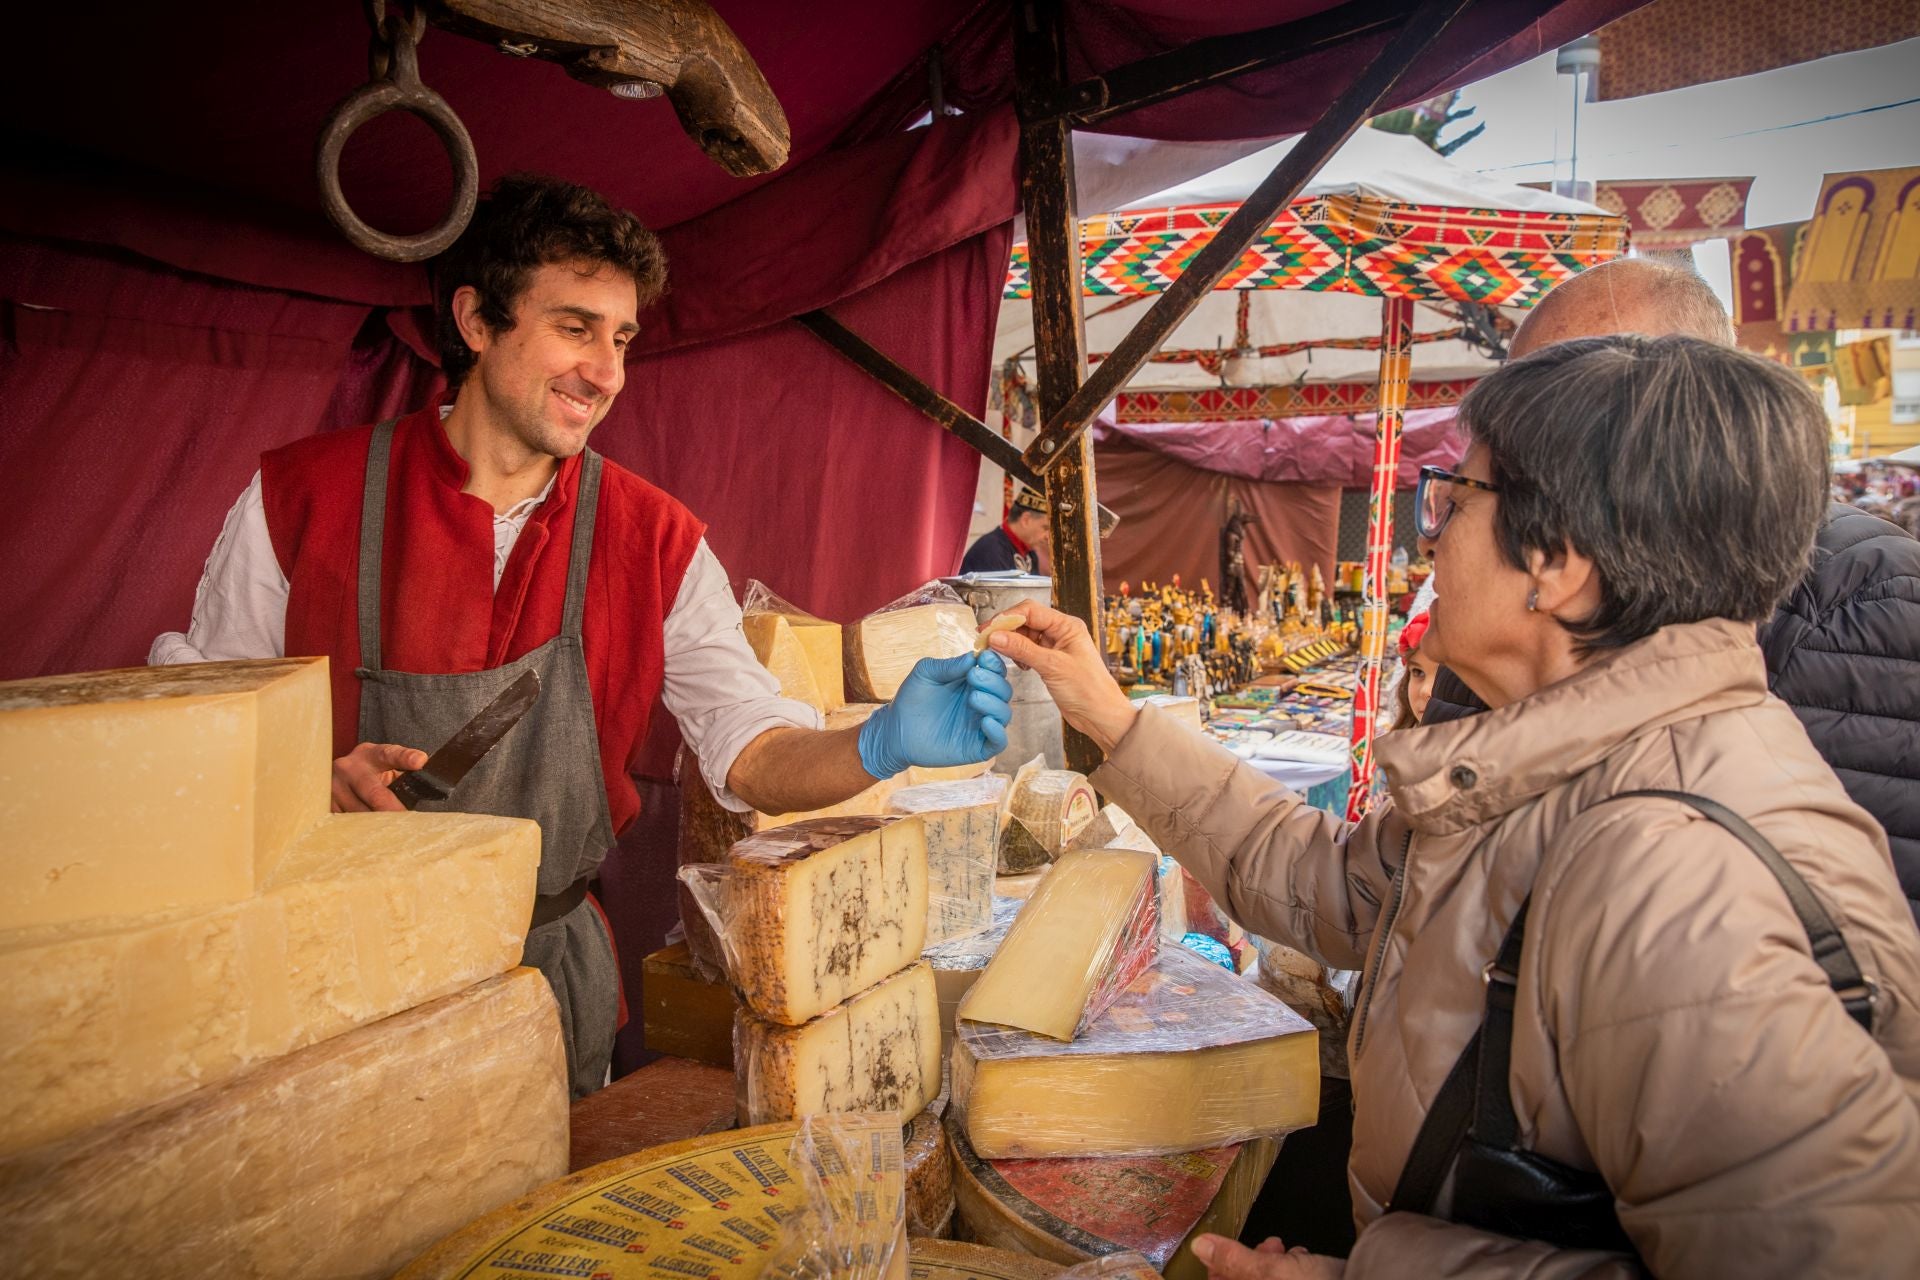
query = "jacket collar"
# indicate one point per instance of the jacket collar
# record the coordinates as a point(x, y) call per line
point(1448, 777)
point(450, 469)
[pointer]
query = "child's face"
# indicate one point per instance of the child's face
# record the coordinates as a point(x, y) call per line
point(1420, 670)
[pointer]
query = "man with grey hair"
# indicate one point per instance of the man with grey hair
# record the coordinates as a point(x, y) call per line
point(1843, 649)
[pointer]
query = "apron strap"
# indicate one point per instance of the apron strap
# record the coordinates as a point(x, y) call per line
point(586, 507)
point(373, 533)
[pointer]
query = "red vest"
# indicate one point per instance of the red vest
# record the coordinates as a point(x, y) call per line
point(440, 611)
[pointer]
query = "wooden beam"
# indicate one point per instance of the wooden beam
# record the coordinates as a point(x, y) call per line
point(1358, 101)
point(903, 382)
point(1060, 335)
point(1208, 62)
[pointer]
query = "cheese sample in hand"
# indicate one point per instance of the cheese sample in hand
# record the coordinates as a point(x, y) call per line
point(879, 1051)
point(127, 792)
point(370, 914)
point(803, 653)
point(963, 834)
point(345, 1159)
point(1090, 930)
point(1046, 809)
point(882, 647)
point(1189, 1057)
point(819, 911)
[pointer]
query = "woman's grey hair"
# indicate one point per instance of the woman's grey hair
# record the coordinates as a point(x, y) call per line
point(1694, 476)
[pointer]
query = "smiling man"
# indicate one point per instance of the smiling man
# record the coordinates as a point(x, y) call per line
point(437, 557)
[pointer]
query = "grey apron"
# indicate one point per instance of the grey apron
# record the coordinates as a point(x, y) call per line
point(546, 768)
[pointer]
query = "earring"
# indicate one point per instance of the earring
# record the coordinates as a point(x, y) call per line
point(1533, 599)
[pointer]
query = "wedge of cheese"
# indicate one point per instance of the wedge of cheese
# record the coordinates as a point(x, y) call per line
point(1189, 1057)
point(1046, 809)
point(343, 1160)
point(127, 792)
point(369, 914)
point(803, 653)
point(882, 647)
point(819, 911)
point(963, 838)
point(1090, 929)
point(879, 1051)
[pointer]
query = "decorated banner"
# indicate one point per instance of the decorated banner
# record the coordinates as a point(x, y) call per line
point(1349, 244)
point(1678, 214)
point(1251, 404)
point(1396, 362)
point(1859, 261)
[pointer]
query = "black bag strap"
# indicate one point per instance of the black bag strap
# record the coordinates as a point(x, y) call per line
point(1476, 1098)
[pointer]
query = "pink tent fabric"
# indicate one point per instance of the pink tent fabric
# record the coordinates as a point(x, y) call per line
point(1335, 450)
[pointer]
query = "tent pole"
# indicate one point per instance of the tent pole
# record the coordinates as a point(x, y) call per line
point(1060, 335)
point(1396, 363)
point(1210, 266)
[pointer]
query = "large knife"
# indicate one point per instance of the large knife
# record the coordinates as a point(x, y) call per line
point(436, 779)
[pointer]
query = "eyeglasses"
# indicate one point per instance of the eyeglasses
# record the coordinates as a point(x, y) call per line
point(1433, 498)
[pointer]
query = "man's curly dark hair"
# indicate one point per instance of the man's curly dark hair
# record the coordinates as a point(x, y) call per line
point(526, 222)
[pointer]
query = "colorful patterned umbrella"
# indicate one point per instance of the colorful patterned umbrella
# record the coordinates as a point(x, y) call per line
point(1387, 219)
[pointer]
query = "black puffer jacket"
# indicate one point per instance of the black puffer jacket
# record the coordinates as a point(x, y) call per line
point(1843, 650)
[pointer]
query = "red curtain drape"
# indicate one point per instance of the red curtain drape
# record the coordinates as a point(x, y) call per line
point(1171, 515)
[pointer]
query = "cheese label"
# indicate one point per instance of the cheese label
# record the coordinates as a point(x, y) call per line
point(709, 1210)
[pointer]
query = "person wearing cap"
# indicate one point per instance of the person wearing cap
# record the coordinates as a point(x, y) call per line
point(1417, 672)
point(1014, 545)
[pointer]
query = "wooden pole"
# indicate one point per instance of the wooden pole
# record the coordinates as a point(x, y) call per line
point(1060, 337)
point(1359, 100)
point(1396, 365)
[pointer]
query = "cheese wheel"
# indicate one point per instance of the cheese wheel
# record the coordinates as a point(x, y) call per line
point(882, 647)
point(876, 1051)
point(929, 1159)
point(1067, 1211)
point(1046, 808)
point(952, 1260)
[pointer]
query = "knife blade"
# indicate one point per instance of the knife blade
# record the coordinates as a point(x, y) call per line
point(436, 779)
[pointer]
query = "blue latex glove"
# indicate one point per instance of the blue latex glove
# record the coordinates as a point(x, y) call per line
point(949, 711)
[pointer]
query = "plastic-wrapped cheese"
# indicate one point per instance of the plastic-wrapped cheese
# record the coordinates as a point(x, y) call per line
point(1046, 809)
point(342, 1160)
point(963, 834)
point(1089, 931)
point(127, 792)
point(369, 914)
point(882, 647)
point(819, 911)
point(878, 1051)
point(1189, 1057)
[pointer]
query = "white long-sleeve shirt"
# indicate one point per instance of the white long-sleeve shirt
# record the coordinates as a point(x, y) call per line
point(713, 685)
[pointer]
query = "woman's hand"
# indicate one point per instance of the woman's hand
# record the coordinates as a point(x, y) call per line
point(1057, 647)
point(1228, 1260)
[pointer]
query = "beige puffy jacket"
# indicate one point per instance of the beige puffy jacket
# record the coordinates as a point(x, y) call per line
point(1671, 1031)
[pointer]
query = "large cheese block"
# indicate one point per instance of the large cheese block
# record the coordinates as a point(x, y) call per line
point(345, 1159)
point(1087, 933)
point(1046, 809)
point(803, 653)
point(1070, 1211)
point(128, 792)
point(819, 911)
point(963, 839)
point(954, 1260)
point(882, 647)
point(1190, 1056)
point(877, 1051)
point(368, 914)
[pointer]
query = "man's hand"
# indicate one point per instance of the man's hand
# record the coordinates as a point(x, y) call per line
point(948, 711)
point(362, 776)
point(1057, 646)
point(1225, 1259)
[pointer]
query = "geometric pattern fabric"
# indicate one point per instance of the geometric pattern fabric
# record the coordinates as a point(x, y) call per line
point(1349, 244)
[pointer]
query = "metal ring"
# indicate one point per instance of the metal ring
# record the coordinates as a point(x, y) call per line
point(375, 100)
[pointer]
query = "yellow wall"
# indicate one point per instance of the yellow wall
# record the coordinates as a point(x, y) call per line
point(1870, 429)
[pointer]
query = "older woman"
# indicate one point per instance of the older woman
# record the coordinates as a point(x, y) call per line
point(1726, 1104)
